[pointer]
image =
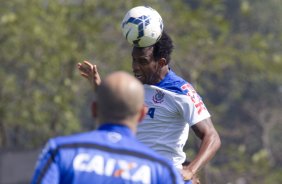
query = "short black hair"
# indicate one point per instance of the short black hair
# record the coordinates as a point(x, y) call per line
point(163, 48)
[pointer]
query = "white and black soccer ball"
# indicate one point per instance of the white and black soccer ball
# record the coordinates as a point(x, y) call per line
point(142, 26)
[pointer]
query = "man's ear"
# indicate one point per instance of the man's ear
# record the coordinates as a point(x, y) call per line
point(162, 62)
point(94, 109)
point(143, 113)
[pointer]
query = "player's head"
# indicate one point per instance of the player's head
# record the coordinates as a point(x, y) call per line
point(120, 99)
point(148, 63)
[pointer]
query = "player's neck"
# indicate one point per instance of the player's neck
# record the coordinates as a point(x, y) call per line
point(162, 74)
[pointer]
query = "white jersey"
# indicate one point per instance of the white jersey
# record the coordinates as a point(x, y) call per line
point(173, 106)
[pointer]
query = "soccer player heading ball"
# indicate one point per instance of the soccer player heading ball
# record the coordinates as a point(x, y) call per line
point(173, 104)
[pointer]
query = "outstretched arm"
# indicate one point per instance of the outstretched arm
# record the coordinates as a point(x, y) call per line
point(209, 146)
point(90, 72)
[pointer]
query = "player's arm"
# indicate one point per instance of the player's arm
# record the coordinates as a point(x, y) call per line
point(46, 170)
point(210, 143)
point(90, 72)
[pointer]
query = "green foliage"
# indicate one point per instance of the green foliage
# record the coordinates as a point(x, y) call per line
point(229, 50)
point(37, 67)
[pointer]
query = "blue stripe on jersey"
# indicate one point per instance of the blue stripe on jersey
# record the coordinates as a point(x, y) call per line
point(173, 83)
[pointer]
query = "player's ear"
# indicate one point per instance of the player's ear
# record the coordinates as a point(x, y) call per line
point(94, 109)
point(143, 112)
point(162, 62)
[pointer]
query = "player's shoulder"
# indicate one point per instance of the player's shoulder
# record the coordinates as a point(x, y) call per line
point(174, 83)
point(73, 139)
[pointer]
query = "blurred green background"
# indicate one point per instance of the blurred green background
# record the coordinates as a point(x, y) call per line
point(229, 50)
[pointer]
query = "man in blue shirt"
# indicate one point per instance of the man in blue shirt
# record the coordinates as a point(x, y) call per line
point(110, 154)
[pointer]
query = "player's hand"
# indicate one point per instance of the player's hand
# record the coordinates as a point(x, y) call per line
point(90, 72)
point(186, 174)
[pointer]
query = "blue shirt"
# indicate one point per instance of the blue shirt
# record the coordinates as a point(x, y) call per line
point(110, 154)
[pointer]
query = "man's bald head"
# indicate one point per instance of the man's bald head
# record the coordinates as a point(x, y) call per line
point(119, 97)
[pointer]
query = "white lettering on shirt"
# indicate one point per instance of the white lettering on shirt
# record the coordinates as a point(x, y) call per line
point(112, 167)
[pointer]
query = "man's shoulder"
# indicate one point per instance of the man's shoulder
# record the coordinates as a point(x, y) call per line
point(109, 139)
point(174, 83)
point(73, 139)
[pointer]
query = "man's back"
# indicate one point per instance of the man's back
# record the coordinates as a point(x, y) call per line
point(109, 155)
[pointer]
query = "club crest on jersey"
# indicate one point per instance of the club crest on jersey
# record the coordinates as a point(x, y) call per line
point(158, 97)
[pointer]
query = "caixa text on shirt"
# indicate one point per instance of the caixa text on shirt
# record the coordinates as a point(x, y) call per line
point(112, 167)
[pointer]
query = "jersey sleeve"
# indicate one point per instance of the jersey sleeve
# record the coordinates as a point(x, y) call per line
point(46, 169)
point(191, 105)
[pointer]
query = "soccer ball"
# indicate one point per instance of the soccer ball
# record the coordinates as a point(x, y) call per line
point(142, 26)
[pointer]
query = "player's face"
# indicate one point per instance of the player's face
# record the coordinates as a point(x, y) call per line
point(144, 66)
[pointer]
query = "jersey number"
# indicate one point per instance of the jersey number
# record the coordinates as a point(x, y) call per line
point(151, 112)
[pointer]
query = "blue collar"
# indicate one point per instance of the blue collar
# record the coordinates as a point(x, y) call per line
point(173, 83)
point(123, 130)
point(167, 77)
